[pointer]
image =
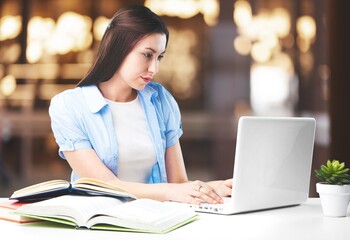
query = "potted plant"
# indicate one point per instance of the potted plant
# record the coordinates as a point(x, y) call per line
point(334, 188)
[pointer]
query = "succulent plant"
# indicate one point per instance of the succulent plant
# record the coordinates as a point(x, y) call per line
point(334, 173)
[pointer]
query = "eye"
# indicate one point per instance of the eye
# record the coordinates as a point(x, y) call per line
point(160, 57)
point(148, 55)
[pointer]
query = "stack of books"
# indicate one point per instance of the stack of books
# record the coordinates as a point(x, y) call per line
point(92, 204)
point(6, 212)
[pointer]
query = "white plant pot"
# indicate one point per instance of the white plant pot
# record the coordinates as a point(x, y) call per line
point(334, 199)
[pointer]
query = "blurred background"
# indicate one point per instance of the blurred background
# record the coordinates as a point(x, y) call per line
point(225, 59)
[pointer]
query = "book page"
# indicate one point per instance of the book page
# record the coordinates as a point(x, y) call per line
point(95, 182)
point(99, 186)
point(41, 187)
point(144, 214)
point(77, 209)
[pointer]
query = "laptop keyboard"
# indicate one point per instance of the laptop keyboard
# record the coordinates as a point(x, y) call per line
point(208, 207)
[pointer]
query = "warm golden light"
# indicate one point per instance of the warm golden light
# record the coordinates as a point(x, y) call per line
point(242, 13)
point(280, 21)
point(306, 62)
point(8, 85)
point(40, 28)
point(2, 71)
point(306, 27)
point(269, 39)
point(100, 26)
point(39, 32)
point(284, 61)
point(270, 90)
point(211, 11)
point(263, 35)
point(261, 52)
point(186, 8)
point(35, 51)
point(74, 32)
point(43, 71)
point(59, 43)
point(258, 24)
point(10, 27)
point(303, 44)
point(242, 45)
point(11, 53)
point(180, 54)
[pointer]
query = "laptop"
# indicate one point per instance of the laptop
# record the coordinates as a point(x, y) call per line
point(272, 166)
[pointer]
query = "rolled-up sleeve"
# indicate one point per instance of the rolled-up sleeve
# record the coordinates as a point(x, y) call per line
point(67, 127)
point(172, 118)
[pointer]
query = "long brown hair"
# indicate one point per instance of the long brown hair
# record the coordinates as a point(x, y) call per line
point(128, 26)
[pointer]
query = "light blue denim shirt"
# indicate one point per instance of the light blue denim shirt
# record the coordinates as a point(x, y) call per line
point(81, 119)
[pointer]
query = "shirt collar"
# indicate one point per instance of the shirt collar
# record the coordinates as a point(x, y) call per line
point(148, 91)
point(96, 101)
point(93, 98)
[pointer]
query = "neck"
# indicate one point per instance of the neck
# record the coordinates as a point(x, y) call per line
point(117, 94)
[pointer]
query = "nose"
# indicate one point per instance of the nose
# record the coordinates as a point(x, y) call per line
point(154, 66)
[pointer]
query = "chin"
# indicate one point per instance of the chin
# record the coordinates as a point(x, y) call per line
point(140, 87)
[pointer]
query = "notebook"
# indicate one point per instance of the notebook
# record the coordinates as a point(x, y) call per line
point(272, 165)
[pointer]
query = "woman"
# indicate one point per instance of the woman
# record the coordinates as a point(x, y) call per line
point(120, 127)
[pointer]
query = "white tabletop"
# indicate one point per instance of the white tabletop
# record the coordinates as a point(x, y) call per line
point(301, 222)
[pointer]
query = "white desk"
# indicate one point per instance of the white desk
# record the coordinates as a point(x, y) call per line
point(296, 223)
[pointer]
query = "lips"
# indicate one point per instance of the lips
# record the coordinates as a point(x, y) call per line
point(146, 79)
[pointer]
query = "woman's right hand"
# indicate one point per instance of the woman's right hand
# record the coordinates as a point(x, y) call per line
point(193, 192)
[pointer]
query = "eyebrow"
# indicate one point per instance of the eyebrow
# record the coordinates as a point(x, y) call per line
point(154, 51)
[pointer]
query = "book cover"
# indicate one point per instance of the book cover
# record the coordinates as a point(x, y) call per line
point(6, 212)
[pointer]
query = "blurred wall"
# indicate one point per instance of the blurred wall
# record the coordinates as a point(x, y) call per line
point(218, 94)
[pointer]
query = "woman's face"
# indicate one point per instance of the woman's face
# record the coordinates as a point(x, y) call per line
point(141, 64)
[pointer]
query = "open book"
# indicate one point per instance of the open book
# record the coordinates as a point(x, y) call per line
point(55, 188)
point(105, 213)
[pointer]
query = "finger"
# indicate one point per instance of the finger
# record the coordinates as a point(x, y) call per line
point(210, 192)
point(197, 185)
point(228, 183)
point(195, 201)
point(227, 187)
point(207, 194)
point(227, 192)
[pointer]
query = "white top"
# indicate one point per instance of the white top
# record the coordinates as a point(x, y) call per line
point(136, 155)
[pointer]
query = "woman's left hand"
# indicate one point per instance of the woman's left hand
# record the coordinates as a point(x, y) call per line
point(222, 187)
